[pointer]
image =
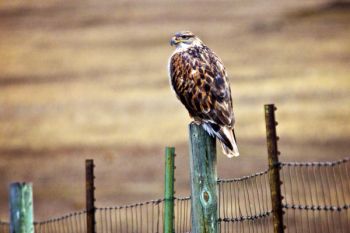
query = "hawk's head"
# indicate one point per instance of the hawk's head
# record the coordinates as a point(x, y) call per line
point(185, 39)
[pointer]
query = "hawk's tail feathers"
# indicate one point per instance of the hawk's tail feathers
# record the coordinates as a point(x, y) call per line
point(228, 152)
point(226, 138)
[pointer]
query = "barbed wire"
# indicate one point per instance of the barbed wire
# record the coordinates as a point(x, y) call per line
point(316, 207)
point(55, 219)
point(155, 201)
point(182, 198)
point(319, 164)
point(246, 218)
point(243, 177)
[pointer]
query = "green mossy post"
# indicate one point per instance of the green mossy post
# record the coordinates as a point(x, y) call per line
point(204, 189)
point(274, 167)
point(21, 208)
point(169, 190)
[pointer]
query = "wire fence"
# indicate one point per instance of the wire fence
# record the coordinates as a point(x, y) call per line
point(73, 222)
point(139, 217)
point(317, 196)
point(245, 204)
point(146, 217)
point(316, 199)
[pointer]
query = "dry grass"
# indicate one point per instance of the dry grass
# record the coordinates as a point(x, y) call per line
point(89, 80)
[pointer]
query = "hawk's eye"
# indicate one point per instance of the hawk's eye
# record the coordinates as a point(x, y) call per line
point(185, 37)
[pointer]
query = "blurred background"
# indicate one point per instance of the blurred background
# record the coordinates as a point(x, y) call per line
point(88, 79)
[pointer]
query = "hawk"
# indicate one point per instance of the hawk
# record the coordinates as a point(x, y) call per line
point(199, 80)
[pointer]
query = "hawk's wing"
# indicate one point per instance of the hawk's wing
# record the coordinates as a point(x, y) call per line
point(200, 81)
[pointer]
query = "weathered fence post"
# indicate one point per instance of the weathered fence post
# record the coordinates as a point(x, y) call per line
point(204, 190)
point(21, 208)
point(90, 196)
point(169, 190)
point(274, 167)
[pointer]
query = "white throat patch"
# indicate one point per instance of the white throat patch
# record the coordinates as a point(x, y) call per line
point(184, 46)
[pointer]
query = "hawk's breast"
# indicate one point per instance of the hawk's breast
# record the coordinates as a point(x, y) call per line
point(199, 80)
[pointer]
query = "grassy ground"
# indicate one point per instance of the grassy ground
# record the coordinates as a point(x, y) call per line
point(89, 80)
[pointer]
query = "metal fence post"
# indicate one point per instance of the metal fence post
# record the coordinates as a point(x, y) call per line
point(169, 190)
point(21, 208)
point(204, 189)
point(90, 196)
point(274, 168)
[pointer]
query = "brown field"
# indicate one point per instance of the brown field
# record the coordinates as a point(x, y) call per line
point(88, 79)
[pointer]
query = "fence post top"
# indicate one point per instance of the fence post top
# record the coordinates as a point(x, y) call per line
point(270, 107)
point(169, 148)
point(21, 184)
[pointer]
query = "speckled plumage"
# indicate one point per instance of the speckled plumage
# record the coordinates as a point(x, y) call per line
point(200, 82)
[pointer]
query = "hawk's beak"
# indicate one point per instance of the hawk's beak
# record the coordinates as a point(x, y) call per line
point(173, 41)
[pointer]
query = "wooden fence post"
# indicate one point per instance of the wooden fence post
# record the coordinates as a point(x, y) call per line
point(21, 208)
point(274, 168)
point(169, 190)
point(204, 189)
point(90, 196)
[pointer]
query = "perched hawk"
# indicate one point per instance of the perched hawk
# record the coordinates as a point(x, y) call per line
point(200, 82)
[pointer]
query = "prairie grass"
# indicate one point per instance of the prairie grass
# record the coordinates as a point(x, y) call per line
point(89, 79)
